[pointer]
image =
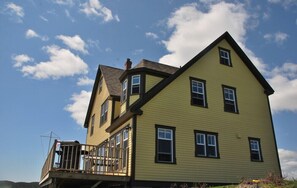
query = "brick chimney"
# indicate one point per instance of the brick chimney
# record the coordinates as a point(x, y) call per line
point(128, 64)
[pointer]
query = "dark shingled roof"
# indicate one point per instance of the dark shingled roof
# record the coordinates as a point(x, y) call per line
point(111, 76)
point(156, 66)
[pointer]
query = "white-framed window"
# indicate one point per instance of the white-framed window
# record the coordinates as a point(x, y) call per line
point(255, 149)
point(198, 93)
point(206, 144)
point(104, 112)
point(165, 142)
point(124, 90)
point(225, 58)
point(230, 102)
point(135, 84)
point(92, 124)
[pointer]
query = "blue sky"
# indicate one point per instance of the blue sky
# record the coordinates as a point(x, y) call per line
point(50, 50)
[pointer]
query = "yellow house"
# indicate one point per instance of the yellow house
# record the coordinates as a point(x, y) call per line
point(155, 125)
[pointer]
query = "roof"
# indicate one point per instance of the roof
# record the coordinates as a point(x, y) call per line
point(156, 66)
point(111, 76)
point(149, 95)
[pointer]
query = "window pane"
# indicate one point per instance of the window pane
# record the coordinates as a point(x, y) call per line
point(164, 157)
point(211, 140)
point(200, 139)
point(211, 151)
point(201, 150)
point(164, 146)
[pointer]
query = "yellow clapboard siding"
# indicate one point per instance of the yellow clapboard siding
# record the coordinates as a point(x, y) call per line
point(151, 81)
point(172, 107)
point(99, 134)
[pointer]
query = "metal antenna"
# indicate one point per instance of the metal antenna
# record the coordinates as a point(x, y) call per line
point(50, 136)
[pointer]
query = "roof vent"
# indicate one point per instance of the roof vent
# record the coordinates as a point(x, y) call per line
point(128, 64)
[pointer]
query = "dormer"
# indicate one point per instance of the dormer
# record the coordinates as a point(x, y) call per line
point(140, 79)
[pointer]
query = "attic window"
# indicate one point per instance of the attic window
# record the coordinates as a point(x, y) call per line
point(198, 92)
point(225, 57)
point(230, 102)
point(135, 86)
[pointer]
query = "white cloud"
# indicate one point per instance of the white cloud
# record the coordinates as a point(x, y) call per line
point(16, 11)
point(75, 42)
point(284, 81)
point(32, 34)
point(83, 81)
point(64, 2)
point(137, 51)
point(43, 18)
point(151, 35)
point(69, 16)
point(278, 37)
point(288, 160)
point(285, 3)
point(193, 30)
point(19, 60)
point(79, 107)
point(94, 8)
point(62, 62)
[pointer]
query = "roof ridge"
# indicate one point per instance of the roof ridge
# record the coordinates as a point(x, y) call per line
point(159, 63)
point(101, 65)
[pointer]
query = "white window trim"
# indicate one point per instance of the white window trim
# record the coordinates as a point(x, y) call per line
point(135, 84)
point(171, 142)
point(124, 90)
point(203, 92)
point(231, 100)
point(200, 144)
point(227, 57)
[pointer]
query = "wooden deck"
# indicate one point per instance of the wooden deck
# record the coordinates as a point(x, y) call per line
point(72, 164)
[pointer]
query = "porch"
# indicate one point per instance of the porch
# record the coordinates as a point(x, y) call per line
point(71, 164)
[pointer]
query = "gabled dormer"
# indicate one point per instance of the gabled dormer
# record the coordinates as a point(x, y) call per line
point(137, 81)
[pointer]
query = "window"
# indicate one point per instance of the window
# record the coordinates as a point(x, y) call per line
point(92, 124)
point(230, 104)
point(125, 146)
point(255, 149)
point(135, 86)
point(104, 110)
point(198, 92)
point(225, 58)
point(100, 86)
point(124, 90)
point(165, 144)
point(206, 144)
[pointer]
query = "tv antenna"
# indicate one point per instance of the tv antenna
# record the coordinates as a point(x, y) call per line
point(51, 136)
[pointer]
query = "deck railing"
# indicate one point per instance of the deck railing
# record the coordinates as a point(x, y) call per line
point(82, 158)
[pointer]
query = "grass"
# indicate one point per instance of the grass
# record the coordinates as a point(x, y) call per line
point(271, 181)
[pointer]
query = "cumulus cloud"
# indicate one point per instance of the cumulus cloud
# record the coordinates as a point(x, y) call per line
point(75, 42)
point(32, 34)
point(288, 161)
point(193, 30)
point(83, 81)
point(151, 35)
point(16, 11)
point(94, 8)
point(19, 60)
point(278, 37)
point(284, 81)
point(62, 62)
point(79, 107)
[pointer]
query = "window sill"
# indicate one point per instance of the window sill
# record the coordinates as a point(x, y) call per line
point(164, 162)
point(198, 156)
point(232, 112)
point(201, 106)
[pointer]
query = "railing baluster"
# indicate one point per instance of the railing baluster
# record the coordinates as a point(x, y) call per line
point(85, 158)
